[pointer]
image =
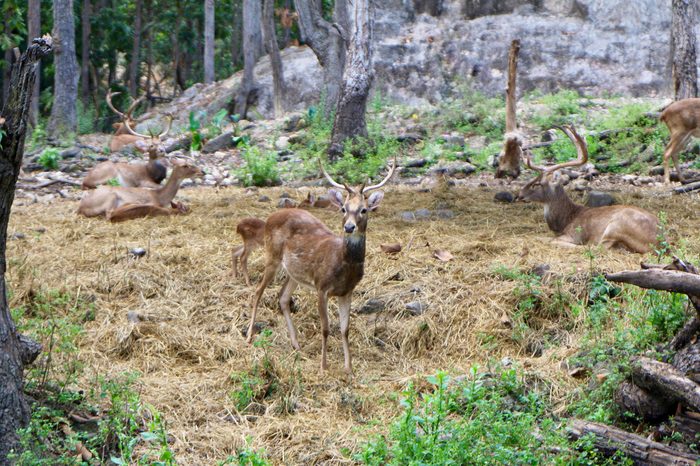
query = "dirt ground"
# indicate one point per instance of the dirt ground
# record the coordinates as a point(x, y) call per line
point(189, 350)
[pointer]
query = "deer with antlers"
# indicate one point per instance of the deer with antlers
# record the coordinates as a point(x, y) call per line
point(312, 255)
point(683, 120)
point(628, 227)
point(120, 203)
point(139, 175)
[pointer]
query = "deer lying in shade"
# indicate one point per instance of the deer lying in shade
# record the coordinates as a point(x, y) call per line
point(628, 227)
point(313, 256)
point(118, 203)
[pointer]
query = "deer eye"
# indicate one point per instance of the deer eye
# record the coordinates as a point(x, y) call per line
point(342, 209)
point(363, 211)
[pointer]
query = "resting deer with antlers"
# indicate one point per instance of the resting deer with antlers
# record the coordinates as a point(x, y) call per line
point(312, 255)
point(118, 203)
point(252, 231)
point(623, 226)
point(683, 121)
point(139, 175)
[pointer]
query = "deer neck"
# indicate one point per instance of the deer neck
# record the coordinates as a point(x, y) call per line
point(156, 170)
point(560, 210)
point(354, 248)
point(166, 194)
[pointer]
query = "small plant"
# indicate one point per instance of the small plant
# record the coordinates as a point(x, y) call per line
point(237, 138)
point(246, 457)
point(260, 381)
point(260, 169)
point(49, 158)
point(113, 182)
point(216, 123)
point(195, 124)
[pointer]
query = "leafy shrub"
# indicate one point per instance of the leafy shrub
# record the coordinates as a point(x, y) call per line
point(86, 118)
point(557, 109)
point(260, 169)
point(260, 381)
point(49, 158)
point(194, 126)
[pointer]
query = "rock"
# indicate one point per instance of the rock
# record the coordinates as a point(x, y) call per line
point(220, 142)
point(18, 235)
point(454, 169)
point(264, 198)
point(580, 185)
point(416, 163)
point(407, 216)
point(410, 138)
point(657, 170)
point(209, 178)
point(70, 153)
point(285, 195)
point(227, 182)
point(416, 307)
point(282, 143)
point(286, 203)
point(629, 178)
point(444, 213)
point(645, 180)
point(294, 122)
point(371, 306)
point(422, 214)
point(454, 139)
point(504, 196)
point(599, 199)
point(137, 252)
point(540, 270)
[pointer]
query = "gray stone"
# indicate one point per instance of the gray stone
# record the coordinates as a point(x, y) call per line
point(599, 199)
point(371, 306)
point(422, 214)
point(407, 216)
point(137, 252)
point(282, 143)
point(454, 169)
point(222, 141)
point(286, 203)
point(264, 198)
point(504, 196)
point(416, 163)
point(416, 307)
point(71, 153)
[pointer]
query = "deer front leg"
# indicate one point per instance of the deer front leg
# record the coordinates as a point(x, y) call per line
point(268, 275)
point(285, 299)
point(675, 145)
point(235, 254)
point(323, 314)
point(344, 314)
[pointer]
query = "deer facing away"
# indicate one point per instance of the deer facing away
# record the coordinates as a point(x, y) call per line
point(683, 120)
point(312, 255)
point(119, 203)
point(143, 175)
point(252, 231)
point(628, 227)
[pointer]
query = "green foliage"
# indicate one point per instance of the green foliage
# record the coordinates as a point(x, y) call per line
point(113, 182)
point(483, 419)
point(216, 123)
point(38, 137)
point(557, 109)
point(473, 113)
point(49, 158)
point(258, 382)
point(195, 124)
point(87, 116)
point(375, 156)
point(246, 457)
point(259, 169)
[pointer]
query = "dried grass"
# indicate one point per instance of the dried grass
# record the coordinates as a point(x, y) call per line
point(190, 341)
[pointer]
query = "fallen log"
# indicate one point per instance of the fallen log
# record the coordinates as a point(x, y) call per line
point(656, 279)
point(665, 380)
point(611, 440)
point(686, 334)
point(643, 403)
point(686, 188)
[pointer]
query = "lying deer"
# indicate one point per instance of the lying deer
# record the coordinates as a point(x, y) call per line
point(252, 231)
point(318, 202)
point(118, 203)
point(122, 136)
point(312, 255)
point(612, 226)
point(138, 175)
point(683, 121)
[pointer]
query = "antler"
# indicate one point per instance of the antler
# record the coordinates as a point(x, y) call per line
point(383, 182)
point(132, 107)
point(128, 128)
point(167, 130)
point(581, 150)
point(333, 183)
point(150, 136)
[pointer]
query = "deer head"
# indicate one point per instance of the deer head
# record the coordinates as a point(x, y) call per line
point(123, 116)
point(545, 186)
point(356, 204)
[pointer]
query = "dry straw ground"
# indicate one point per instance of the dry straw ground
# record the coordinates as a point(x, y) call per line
point(193, 344)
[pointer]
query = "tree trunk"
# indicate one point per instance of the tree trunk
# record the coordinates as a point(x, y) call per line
point(85, 53)
point(656, 279)
point(665, 380)
point(357, 79)
point(7, 65)
point(135, 52)
point(34, 30)
point(509, 161)
point(236, 34)
point(149, 53)
point(177, 56)
point(208, 41)
point(683, 52)
point(252, 49)
point(611, 440)
point(64, 118)
point(328, 44)
point(13, 350)
point(270, 39)
point(287, 25)
point(643, 403)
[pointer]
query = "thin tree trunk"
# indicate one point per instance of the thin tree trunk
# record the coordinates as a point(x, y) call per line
point(85, 52)
point(135, 52)
point(208, 41)
point(273, 51)
point(683, 49)
point(64, 118)
point(34, 30)
point(7, 65)
point(252, 38)
point(509, 161)
point(149, 52)
point(237, 34)
point(14, 354)
point(287, 25)
point(350, 117)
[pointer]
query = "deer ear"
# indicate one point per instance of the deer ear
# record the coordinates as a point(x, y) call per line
point(375, 199)
point(336, 198)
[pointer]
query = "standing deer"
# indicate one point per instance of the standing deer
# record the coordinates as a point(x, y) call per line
point(312, 255)
point(683, 120)
point(624, 226)
point(118, 203)
point(252, 230)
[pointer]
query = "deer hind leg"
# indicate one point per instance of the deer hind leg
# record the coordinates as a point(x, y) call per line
point(675, 145)
point(132, 211)
point(235, 254)
point(344, 315)
point(285, 298)
point(323, 314)
point(269, 274)
point(247, 248)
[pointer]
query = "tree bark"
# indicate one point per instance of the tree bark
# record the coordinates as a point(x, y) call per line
point(252, 50)
point(7, 65)
point(656, 279)
point(64, 118)
point(208, 41)
point(135, 52)
point(357, 79)
point(509, 161)
point(327, 40)
point(609, 440)
point(273, 51)
point(34, 30)
point(643, 403)
point(683, 49)
point(237, 34)
point(85, 52)
point(13, 350)
point(665, 380)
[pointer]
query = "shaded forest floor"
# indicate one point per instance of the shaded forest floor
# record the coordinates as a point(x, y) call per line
point(218, 395)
